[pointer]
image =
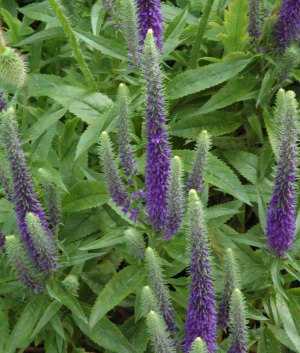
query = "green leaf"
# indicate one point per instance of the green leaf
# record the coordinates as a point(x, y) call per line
point(289, 313)
point(40, 12)
point(219, 214)
point(104, 45)
point(244, 162)
point(262, 209)
point(68, 299)
point(97, 16)
point(269, 123)
point(268, 343)
point(45, 34)
point(86, 194)
point(45, 121)
point(266, 85)
point(116, 290)
point(112, 238)
point(236, 24)
point(20, 335)
point(84, 104)
point(136, 333)
point(105, 334)
point(51, 310)
point(193, 81)
point(173, 32)
point(275, 273)
point(177, 251)
point(216, 124)
point(219, 174)
point(282, 337)
point(90, 135)
point(229, 94)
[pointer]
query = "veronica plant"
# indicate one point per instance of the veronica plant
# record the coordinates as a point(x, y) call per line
point(287, 27)
point(24, 198)
point(238, 343)
point(231, 281)
point(150, 17)
point(281, 215)
point(158, 160)
point(254, 18)
point(201, 318)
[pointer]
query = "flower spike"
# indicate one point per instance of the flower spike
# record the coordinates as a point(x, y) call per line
point(201, 318)
point(158, 160)
point(116, 188)
point(281, 214)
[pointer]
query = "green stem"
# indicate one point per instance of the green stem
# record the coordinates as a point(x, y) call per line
point(200, 33)
point(72, 39)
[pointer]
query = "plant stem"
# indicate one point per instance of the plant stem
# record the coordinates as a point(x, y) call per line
point(74, 44)
point(200, 33)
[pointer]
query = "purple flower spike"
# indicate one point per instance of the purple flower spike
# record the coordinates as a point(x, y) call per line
point(281, 215)
point(231, 281)
point(127, 159)
point(24, 197)
point(238, 343)
point(116, 188)
point(108, 5)
point(195, 180)
point(130, 26)
point(201, 318)
point(16, 254)
point(175, 201)
point(2, 242)
point(150, 17)
point(51, 199)
point(254, 18)
point(159, 288)
point(3, 104)
point(287, 28)
point(46, 257)
point(158, 160)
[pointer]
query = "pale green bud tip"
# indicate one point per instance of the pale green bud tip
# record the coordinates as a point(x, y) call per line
point(193, 197)
point(104, 133)
point(198, 346)
point(30, 216)
point(10, 238)
point(149, 251)
point(11, 110)
point(176, 158)
point(236, 292)
point(150, 32)
point(228, 251)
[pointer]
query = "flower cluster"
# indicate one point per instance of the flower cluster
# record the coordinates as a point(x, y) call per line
point(201, 318)
point(254, 18)
point(158, 160)
point(287, 28)
point(150, 17)
point(281, 215)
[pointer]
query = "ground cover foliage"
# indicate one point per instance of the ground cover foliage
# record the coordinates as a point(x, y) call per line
point(129, 259)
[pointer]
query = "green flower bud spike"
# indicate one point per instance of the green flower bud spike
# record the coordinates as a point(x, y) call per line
point(135, 243)
point(231, 281)
point(198, 346)
point(17, 255)
point(148, 301)
point(159, 335)
point(238, 343)
point(12, 67)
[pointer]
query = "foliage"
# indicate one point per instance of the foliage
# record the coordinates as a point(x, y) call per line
point(65, 62)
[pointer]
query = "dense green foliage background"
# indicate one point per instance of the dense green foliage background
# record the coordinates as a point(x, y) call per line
point(61, 115)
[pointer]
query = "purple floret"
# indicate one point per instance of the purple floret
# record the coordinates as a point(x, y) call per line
point(150, 17)
point(287, 28)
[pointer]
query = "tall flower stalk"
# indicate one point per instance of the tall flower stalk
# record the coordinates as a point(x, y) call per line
point(125, 150)
point(254, 27)
point(281, 215)
point(203, 145)
point(175, 200)
point(231, 281)
point(150, 17)
point(159, 288)
point(238, 342)
point(158, 160)
point(116, 187)
point(201, 318)
point(287, 28)
point(24, 198)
